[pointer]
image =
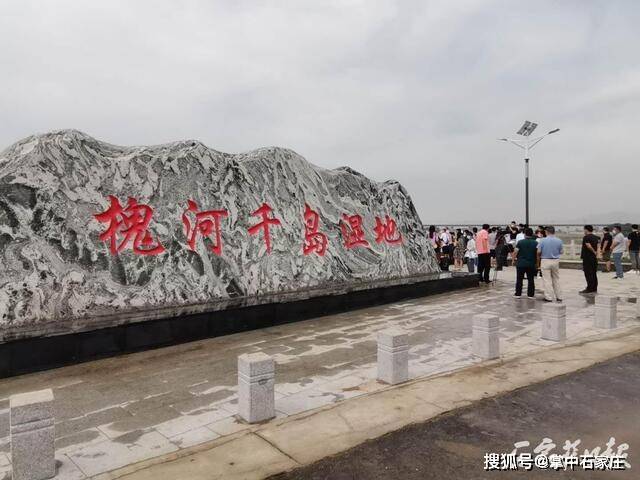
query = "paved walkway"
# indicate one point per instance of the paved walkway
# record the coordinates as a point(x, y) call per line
point(123, 410)
point(591, 406)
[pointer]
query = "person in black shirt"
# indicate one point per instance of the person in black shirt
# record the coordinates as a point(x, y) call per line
point(634, 248)
point(605, 248)
point(589, 256)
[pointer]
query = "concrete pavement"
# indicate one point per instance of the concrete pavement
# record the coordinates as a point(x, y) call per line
point(587, 408)
point(160, 404)
point(308, 437)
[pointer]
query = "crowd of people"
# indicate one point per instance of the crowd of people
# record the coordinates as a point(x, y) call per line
point(533, 253)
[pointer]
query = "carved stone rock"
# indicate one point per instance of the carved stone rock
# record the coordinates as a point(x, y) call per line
point(58, 276)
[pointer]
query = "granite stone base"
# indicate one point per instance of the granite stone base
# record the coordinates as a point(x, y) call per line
point(32, 435)
point(393, 356)
point(42, 353)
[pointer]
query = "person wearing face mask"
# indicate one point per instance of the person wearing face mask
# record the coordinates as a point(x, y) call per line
point(618, 247)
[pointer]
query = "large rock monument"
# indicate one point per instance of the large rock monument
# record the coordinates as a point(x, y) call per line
point(95, 235)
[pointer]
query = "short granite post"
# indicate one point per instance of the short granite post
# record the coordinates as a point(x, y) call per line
point(573, 248)
point(606, 315)
point(393, 356)
point(554, 322)
point(256, 381)
point(486, 331)
point(32, 435)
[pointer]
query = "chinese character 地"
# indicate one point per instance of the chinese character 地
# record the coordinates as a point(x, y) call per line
point(387, 231)
point(131, 224)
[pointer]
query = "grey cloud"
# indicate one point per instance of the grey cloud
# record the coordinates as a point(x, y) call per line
point(412, 90)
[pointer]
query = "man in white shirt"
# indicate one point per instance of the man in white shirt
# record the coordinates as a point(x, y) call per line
point(446, 242)
point(618, 247)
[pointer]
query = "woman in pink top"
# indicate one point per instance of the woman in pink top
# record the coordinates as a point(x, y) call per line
point(484, 258)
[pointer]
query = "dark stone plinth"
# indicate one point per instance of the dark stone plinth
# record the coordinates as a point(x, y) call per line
point(34, 354)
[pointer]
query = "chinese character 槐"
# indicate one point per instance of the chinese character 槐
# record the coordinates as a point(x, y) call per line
point(131, 223)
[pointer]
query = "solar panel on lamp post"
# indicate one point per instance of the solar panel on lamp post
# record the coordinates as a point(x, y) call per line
point(527, 144)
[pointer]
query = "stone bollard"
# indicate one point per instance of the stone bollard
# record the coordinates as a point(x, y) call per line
point(554, 322)
point(32, 435)
point(393, 356)
point(486, 343)
point(256, 382)
point(606, 316)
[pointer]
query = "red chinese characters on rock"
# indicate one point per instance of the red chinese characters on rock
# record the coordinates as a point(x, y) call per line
point(206, 224)
point(129, 227)
point(130, 223)
point(387, 231)
point(314, 241)
point(264, 212)
point(352, 231)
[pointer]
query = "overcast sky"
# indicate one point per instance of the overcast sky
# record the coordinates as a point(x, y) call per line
point(416, 91)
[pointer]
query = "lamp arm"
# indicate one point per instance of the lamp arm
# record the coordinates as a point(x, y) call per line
point(536, 141)
point(514, 142)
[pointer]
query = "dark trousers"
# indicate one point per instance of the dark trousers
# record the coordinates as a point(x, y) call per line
point(484, 266)
point(590, 268)
point(530, 272)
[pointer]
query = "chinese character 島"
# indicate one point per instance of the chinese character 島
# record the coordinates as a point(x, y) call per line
point(314, 241)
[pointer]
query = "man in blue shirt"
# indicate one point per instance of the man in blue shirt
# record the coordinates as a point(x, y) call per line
point(549, 251)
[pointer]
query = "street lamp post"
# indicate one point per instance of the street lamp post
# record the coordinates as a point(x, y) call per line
point(527, 144)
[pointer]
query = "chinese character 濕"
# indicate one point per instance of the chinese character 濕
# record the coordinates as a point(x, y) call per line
point(352, 232)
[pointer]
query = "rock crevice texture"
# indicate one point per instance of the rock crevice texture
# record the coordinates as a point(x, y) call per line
point(57, 275)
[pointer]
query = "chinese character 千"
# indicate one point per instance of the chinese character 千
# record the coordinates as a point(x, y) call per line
point(264, 212)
